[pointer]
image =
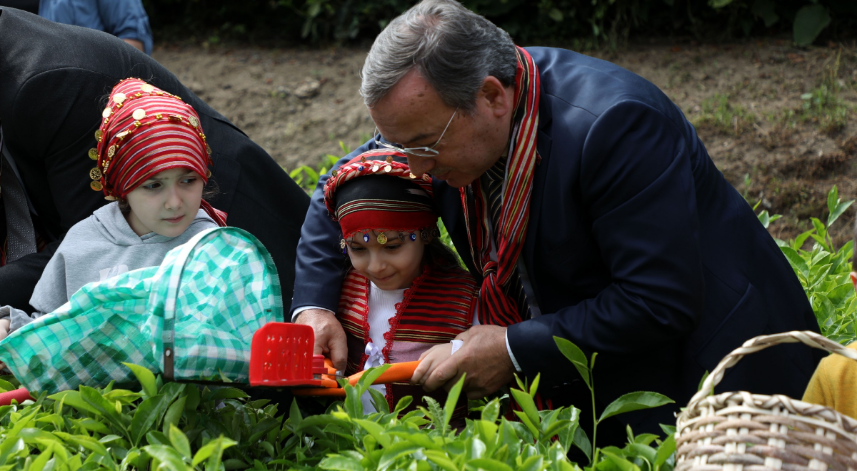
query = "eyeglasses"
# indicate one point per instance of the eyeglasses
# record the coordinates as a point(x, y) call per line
point(416, 151)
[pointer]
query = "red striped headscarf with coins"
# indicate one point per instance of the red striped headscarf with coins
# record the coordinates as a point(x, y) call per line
point(145, 131)
point(374, 206)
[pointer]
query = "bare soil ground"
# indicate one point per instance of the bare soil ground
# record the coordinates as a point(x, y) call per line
point(778, 121)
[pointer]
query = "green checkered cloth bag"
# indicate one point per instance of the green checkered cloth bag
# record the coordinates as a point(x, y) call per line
point(192, 318)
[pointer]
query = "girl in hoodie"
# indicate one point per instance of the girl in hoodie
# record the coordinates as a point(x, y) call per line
point(152, 163)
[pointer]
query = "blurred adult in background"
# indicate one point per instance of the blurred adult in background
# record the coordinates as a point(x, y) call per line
point(54, 80)
point(125, 19)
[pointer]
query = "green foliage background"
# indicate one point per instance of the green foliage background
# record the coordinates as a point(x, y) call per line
point(528, 21)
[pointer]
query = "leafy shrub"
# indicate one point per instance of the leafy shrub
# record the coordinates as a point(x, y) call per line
point(527, 21)
point(823, 272)
point(184, 427)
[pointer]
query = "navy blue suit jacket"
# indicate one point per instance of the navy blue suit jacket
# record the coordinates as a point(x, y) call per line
point(637, 248)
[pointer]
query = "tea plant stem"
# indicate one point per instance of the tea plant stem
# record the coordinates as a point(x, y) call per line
point(594, 419)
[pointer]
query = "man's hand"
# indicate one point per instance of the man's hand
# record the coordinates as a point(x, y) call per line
point(483, 357)
point(329, 336)
point(4, 328)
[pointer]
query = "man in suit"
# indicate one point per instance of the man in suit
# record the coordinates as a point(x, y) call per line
point(634, 245)
point(54, 80)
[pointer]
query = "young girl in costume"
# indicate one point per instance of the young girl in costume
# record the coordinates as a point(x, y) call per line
point(404, 291)
point(152, 162)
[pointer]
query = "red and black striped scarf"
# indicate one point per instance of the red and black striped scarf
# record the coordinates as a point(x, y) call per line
point(495, 307)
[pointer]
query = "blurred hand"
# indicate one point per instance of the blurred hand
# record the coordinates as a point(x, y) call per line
point(483, 357)
point(4, 328)
point(329, 335)
point(134, 42)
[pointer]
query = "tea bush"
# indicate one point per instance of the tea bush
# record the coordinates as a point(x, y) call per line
point(823, 271)
point(190, 427)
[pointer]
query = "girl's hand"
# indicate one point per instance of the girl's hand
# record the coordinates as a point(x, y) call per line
point(429, 360)
point(4, 328)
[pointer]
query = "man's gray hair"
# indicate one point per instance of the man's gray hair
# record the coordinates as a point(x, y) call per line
point(452, 47)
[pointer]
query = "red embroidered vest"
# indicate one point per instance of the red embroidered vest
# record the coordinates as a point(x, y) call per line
point(438, 306)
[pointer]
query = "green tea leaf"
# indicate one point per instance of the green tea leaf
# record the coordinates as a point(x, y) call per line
point(225, 393)
point(840, 208)
point(634, 401)
point(11, 446)
point(527, 423)
point(105, 409)
point(74, 399)
point(145, 377)
point(441, 460)
point(379, 400)
point(193, 397)
point(179, 441)
point(491, 411)
point(374, 429)
point(799, 240)
point(396, 451)
point(820, 228)
point(832, 199)
point(666, 450)
point(582, 442)
point(796, 261)
point(84, 441)
point(528, 406)
point(6, 386)
point(353, 404)
point(167, 455)
point(369, 377)
point(613, 462)
point(452, 400)
point(148, 413)
point(340, 463)
point(489, 464)
point(39, 463)
point(575, 356)
point(533, 463)
point(174, 413)
point(263, 427)
point(155, 437)
point(212, 451)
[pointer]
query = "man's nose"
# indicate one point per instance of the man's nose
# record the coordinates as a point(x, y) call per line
point(420, 165)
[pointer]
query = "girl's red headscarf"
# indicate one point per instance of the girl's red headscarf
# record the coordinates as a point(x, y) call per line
point(374, 206)
point(145, 131)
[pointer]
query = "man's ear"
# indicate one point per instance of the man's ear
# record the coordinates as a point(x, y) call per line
point(854, 279)
point(496, 97)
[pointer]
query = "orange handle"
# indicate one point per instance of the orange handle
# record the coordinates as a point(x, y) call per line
point(397, 372)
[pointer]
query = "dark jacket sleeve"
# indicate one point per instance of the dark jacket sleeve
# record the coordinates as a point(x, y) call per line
point(319, 264)
point(19, 278)
point(636, 183)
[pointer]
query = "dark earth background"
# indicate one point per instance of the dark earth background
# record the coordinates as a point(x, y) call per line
point(776, 119)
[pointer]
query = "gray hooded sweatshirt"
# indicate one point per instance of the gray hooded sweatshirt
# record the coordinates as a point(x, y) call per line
point(95, 249)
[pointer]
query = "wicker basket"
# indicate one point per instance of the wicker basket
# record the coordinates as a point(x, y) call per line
point(739, 431)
